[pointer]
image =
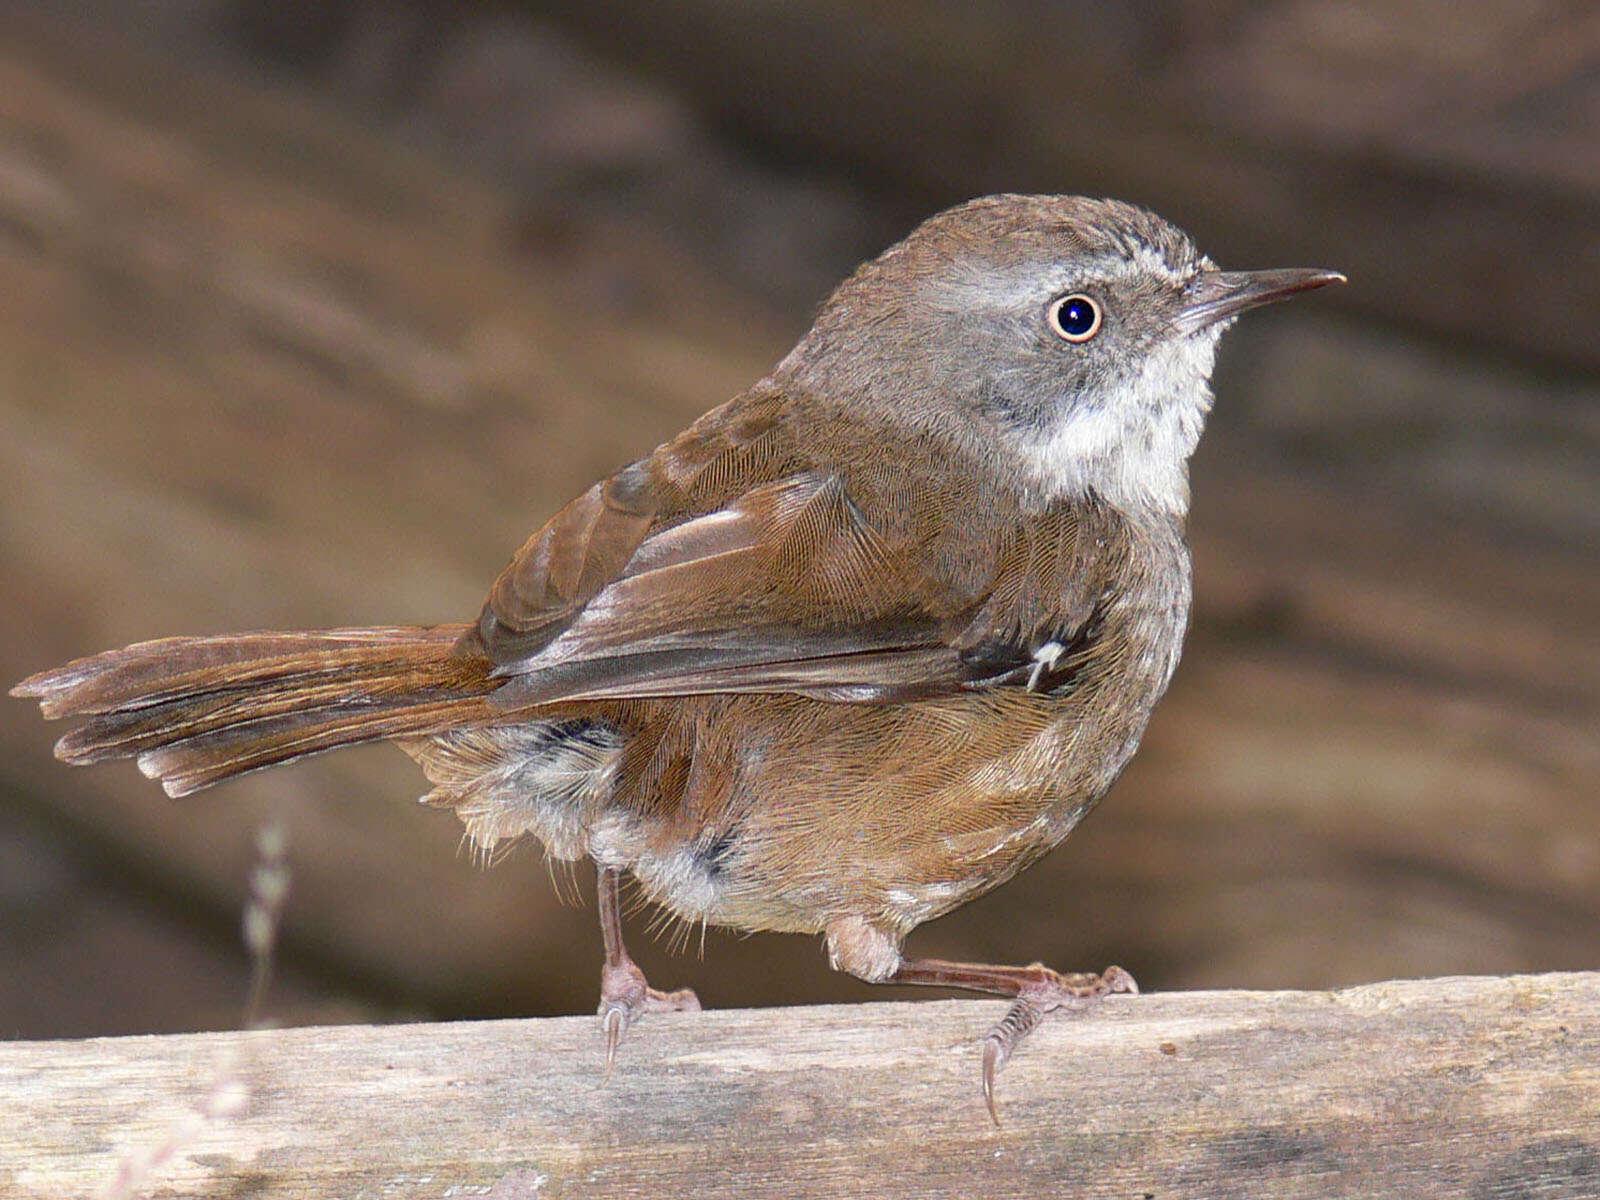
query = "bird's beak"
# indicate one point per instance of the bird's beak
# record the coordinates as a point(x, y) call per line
point(1218, 295)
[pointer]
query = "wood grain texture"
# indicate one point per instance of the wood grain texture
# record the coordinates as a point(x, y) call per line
point(1461, 1087)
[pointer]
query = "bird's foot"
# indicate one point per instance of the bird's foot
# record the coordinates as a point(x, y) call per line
point(1042, 994)
point(625, 994)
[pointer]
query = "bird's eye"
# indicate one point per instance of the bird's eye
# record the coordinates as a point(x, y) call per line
point(1075, 317)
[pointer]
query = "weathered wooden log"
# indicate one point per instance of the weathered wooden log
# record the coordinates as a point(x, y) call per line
point(1462, 1087)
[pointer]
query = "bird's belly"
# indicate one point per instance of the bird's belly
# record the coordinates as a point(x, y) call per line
point(897, 813)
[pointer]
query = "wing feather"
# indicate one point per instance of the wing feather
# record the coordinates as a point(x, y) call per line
point(732, 561)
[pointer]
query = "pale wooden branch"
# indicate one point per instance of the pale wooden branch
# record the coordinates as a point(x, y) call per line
point(1470, 1087)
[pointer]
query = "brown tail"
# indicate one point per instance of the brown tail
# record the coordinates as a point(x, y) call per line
point(194, 711)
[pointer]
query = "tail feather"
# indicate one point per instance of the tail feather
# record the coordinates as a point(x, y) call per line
point(196, 711)
point(190, 764)
point(147, 673)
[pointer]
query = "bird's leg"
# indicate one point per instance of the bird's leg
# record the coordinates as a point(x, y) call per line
point(872, 953)
point(624, 991)
point(1037, 989)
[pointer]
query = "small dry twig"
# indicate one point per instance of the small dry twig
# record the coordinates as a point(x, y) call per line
point(229, 1095)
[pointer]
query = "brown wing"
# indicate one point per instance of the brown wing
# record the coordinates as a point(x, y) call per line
point(738, 560)
point(590, 542)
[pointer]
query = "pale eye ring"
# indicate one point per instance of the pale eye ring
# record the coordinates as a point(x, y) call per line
point(1074, 317)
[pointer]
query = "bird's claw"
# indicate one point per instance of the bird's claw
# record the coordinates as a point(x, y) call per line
point(624, 995)
point(616, 1021)
point(1036, 1001)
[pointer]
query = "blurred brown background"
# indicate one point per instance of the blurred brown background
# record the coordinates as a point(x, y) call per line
point(311, 311)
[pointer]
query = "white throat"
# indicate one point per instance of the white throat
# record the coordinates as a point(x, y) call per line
point(1132, 448)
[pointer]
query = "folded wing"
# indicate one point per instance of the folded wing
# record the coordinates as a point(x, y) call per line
point(785, 582)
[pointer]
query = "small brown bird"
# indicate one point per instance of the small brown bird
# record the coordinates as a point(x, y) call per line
point(851, 650)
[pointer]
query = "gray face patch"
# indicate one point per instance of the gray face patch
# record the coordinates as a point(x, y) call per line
point(961, 329)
